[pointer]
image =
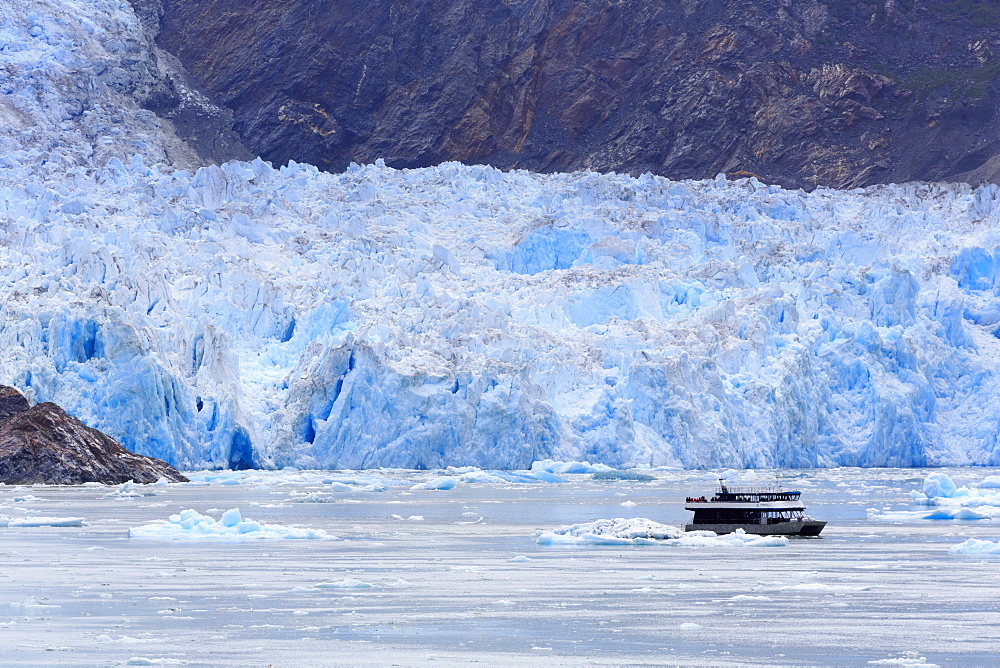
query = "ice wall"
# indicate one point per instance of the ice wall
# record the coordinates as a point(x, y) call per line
point(244, 316)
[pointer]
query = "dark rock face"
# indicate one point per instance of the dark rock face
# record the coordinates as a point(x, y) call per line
point(12, 402)
point(162, 86)
point(799, 92)
point(43, 444)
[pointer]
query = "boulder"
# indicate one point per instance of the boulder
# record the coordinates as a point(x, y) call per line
point(44, 444)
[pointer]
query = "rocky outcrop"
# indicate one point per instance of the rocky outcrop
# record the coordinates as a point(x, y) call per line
point(798, 92)
point(43, 444)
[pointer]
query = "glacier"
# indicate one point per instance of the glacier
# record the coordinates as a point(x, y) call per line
point(246, 316)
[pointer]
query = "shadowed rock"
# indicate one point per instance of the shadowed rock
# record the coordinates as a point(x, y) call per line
point(12, 402)
point(44, 444)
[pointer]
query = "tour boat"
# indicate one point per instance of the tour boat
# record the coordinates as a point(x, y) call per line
point(763, 511)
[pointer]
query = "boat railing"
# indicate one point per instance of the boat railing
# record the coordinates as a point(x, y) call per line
point(754, 495)
point(770, 489)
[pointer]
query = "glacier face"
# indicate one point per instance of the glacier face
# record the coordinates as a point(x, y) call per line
point(245, 316)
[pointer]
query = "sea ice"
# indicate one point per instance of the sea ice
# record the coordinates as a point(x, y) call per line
point(907, 659)
point(439, 483)
point(979, 501)
point(348, 583)
point(551, 466)
point(641, 531)
point(13, 522)
point(977, 548)
point(189, 525)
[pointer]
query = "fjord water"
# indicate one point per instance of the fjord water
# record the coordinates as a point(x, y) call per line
point(418, 575)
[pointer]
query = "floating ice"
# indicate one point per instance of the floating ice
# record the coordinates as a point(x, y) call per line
point(312, 497)
point(13, 522)
point(27, 498)
point(975, 547)
point(641, 531)
point(551, 466)
point(440, 483)
point(193, 526)
point(907, 659)
point(979, 501)
point(344, 584)
point(129, 490)
point(939, 485)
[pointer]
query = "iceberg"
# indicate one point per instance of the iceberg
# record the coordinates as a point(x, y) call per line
point(247, 316)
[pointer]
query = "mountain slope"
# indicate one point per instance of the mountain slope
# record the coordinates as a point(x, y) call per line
point(796, 92)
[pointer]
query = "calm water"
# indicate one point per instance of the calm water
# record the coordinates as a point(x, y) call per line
point(443, 588)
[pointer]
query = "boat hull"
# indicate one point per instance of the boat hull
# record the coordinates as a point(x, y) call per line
point(804, 528)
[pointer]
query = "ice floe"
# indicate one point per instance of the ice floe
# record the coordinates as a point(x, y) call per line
point(348, 583)
point(14, 522)
point(641, 531)
point(975, 547)
point(942, 499)
point(912, 659)
point(191, 525)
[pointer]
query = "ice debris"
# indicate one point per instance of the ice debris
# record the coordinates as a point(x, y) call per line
point(439, 483)
point(193, 526)
point(974, 547)
point(907, 659)
point(348, 583)
point(948, 501)
point(641, 531)
point(13, 522)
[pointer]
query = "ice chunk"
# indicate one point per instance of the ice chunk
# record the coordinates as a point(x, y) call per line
point(957, 514)
point(551, 466)
point(13, 522)
point(907, 659)
point(974, 547)
point(439, 483)
point(989, 482)
point(641, 531)
point(347, 583)
point(939, 485)
point(189, 525)
point(231, 517)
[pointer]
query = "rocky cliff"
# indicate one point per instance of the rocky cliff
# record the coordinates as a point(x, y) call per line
point(43, 444)
point(799, 92)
